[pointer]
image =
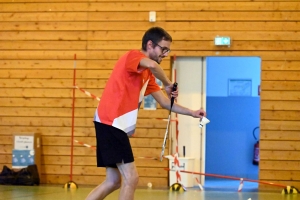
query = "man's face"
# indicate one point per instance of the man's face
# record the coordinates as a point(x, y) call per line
point(159, 50)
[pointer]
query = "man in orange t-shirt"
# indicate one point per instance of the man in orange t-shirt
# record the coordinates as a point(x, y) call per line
point(132, 78)
point(124, 92)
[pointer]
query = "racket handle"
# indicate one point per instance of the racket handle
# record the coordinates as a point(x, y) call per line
point(172, 98)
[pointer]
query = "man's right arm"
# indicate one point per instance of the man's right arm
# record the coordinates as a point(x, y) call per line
point(156, 70)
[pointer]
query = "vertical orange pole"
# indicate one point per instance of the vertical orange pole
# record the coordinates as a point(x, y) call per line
point(72, 129)
point(176, 115)
point(178, 177)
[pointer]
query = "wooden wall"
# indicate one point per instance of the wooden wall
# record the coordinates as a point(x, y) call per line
point(38, 40)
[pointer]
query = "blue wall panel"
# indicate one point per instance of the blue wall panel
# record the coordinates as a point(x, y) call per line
point(229, 138)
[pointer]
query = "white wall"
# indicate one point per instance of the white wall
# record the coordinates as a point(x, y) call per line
point(189, 75)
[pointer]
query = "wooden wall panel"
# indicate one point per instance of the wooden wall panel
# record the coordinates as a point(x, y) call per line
point(245, 5)
point(240, 35)
point(233, 26)
point(130, 35)
point(78, 132)
point(282, 85)
point(65, 112)
point(230, 16)
point(38, 40)
point(64, 64)
point(121, 45)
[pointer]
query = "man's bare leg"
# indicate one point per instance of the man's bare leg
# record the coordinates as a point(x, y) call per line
point(111, 183)
point(130, 180)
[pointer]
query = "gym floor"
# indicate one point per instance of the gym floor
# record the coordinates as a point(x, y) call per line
point(52, 192)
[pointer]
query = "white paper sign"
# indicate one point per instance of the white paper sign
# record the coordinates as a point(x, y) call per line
point(23, 142)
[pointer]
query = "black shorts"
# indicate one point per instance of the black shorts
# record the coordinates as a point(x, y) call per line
point(113, 146)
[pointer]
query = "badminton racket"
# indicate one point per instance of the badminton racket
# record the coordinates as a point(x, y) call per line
point(169, 119)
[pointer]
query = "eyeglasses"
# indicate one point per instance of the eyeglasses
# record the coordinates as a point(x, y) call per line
point(163, 49)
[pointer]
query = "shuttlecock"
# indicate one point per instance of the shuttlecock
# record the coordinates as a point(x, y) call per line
point(203, 121)
point(149, 185)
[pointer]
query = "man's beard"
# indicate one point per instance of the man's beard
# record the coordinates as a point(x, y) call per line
point(159, 59)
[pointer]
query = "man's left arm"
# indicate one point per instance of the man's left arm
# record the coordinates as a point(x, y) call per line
point(165, 102)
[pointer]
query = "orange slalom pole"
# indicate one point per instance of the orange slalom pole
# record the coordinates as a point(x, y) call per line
point(230, 177)
point(72, 128)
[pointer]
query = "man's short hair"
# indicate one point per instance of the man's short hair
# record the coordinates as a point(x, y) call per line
point(155, 34)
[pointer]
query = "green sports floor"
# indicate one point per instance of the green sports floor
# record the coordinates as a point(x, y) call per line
point(51, 192)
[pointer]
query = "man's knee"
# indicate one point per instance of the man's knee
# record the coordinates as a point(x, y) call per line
point(134, 180)
point(115, 184)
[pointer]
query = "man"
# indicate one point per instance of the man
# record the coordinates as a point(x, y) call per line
point(133, 77)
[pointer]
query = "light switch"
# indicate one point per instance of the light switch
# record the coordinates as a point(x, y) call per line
point(152, 16)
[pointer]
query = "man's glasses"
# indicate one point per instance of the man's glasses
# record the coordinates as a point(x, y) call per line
point(163, 49)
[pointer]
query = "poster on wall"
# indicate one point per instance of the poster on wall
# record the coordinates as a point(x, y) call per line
point(149, 101)
point(240, 87)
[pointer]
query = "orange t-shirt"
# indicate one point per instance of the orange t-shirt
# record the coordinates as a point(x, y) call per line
point(124, 92)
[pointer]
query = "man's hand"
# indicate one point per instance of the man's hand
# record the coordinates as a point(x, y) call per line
point(171, 93)
point(199, 113)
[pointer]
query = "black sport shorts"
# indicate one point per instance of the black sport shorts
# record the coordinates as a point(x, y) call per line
point(113, 146)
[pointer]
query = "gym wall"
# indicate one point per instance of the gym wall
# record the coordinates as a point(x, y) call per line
point(38, 40)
